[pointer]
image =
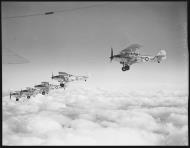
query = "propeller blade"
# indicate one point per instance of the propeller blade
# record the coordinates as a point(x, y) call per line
point(52, 76)
point(111, 57)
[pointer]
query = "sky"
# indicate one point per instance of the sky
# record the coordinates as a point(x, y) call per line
point(79, 42)
point(146, 105)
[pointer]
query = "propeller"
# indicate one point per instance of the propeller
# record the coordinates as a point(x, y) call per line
point(10, 95)
point(111, 57)
point(52, 76)
point(21, 92)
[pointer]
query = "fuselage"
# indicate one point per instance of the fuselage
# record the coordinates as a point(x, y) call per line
point(132, 58)
point(60, 78)
point(68, 78)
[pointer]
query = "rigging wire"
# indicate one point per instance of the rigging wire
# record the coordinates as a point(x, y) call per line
point(58, 11)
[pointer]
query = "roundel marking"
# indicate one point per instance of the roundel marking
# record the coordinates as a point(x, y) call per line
point(147, 59)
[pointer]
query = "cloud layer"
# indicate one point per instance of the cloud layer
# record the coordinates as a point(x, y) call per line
point(94, 116)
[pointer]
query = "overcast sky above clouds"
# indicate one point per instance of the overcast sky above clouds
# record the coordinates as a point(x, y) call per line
point(79, 41)
point(146, 105)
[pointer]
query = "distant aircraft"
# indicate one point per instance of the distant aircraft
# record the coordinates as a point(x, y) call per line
point(28, 92)
point(64, 77)
point(129, 56)
point(43, 88)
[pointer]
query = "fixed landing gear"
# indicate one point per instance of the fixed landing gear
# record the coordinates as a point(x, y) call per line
point(126, 67)
point(62, 85)
point(17, 99)
point(28, 97)
point(43, 92)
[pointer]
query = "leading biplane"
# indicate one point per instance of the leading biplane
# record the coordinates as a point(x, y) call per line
point(131, 55)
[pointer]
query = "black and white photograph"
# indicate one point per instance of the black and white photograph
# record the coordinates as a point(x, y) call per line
point(92, 73)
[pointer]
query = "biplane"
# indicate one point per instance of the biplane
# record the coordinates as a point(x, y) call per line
point(131, 55)
point(64, 78)
point(28, 92)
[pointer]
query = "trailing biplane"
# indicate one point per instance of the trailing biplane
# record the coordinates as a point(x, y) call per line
point(64, 78)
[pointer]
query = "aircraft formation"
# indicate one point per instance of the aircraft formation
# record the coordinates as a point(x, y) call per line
point(126, 57)
point(63, 78)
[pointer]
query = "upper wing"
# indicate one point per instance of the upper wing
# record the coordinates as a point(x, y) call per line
point(130, 49)
point(63, 73)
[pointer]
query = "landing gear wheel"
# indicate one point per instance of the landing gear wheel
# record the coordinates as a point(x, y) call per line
point(124, 69)
point(127, 67)
point(62, 85)
point(43, 93)
point(17, 99)
point(28, 97)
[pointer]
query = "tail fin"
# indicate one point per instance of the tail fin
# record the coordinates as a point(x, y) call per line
point(161, 55)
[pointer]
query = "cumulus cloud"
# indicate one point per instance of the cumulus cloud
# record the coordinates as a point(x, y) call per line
point(81, 115)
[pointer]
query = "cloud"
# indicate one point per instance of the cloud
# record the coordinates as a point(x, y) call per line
point(81, 115)
point(176, 136)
